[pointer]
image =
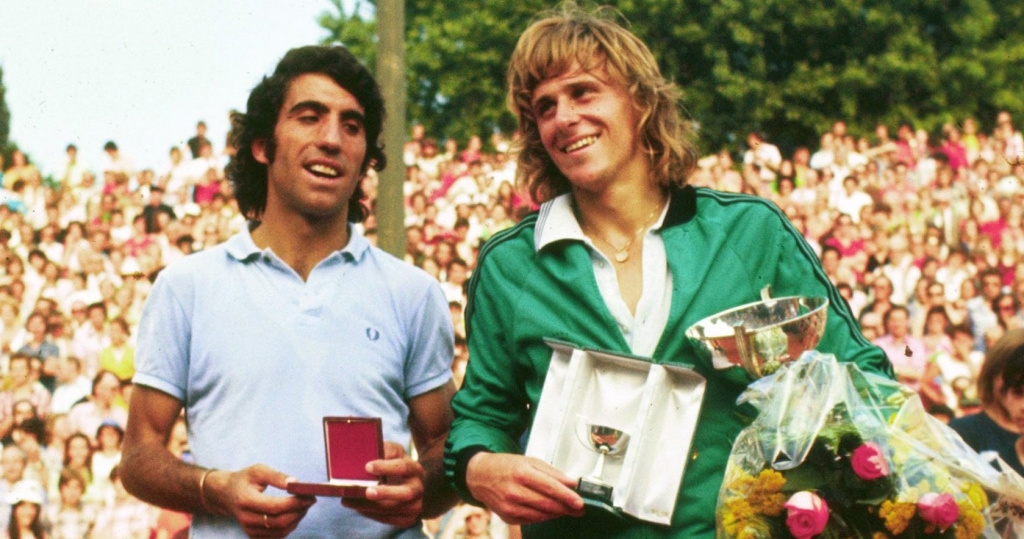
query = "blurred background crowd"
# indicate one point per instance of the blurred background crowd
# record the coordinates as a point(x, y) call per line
point(921, 232)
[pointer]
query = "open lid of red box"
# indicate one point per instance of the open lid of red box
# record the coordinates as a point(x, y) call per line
point(351, 442)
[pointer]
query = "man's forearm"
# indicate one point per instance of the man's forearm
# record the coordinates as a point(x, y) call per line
point(438, 494)
point(155, 476)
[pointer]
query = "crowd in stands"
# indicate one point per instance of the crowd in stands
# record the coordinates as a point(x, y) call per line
point(922, 235)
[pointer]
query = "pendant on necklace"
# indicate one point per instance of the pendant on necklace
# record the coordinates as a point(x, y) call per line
point(621, 256)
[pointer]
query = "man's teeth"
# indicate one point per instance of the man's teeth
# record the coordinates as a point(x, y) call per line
point(582, 143)
point(323, 170)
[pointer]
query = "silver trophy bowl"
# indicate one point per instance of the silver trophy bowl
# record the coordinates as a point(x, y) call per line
point(607, 442)
point(761, 336)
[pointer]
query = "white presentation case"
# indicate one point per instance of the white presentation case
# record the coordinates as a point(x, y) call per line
point(657, 405)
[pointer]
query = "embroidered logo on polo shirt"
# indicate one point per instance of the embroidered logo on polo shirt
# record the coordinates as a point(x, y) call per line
point(372, 334)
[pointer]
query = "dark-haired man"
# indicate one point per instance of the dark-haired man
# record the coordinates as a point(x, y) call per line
point(155, 205)
point(115, 161)
point(92, 336)
point(979, 308)
point(293, 319)
point(71, 387)
point(198, 140)
point(71, 170)
point(763, 156)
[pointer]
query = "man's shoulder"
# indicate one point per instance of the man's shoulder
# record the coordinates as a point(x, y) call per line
point(515, 242)
point(395, 269)
point(969, 424)
point(197, 271)
point(198, 262)
point(706, 195)
point(714, 205)
point(406, 283)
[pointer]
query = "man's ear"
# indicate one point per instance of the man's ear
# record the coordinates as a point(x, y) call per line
point(259, 150)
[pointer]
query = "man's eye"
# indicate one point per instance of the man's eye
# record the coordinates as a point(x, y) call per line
point(582, 92)
point(353, 128)
point(308, 119)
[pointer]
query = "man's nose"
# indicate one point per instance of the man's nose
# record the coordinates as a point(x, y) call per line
point(330, 138)
point(566, 113)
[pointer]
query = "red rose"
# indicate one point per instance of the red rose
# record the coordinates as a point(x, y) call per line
point(807, 514)
point(868, 462)
point(939, 509)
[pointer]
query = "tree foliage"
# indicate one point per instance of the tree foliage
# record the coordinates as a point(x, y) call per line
point(784, 67)
point(5, 115)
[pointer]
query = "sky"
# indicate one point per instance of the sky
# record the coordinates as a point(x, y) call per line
point(139, 72)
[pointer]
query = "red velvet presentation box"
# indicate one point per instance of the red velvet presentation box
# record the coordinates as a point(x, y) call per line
point(350, 442)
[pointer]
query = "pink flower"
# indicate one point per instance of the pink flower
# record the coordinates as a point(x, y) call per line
point(868, 462)
point(807, 514)
point(939, 509)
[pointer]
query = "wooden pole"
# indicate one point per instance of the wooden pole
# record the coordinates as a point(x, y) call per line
point(391, 77)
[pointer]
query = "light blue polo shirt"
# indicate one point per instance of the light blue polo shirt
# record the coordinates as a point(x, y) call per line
point(259, 357)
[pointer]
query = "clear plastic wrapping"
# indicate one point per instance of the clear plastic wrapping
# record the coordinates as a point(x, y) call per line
point(839, 453)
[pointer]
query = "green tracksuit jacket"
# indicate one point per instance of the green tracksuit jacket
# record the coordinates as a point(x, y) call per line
point(721, 249)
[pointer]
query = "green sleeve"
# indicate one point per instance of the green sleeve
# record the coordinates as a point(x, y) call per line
point(800, 273)
point(491, 410)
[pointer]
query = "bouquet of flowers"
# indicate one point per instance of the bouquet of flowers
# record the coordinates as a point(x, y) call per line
point(838, 453)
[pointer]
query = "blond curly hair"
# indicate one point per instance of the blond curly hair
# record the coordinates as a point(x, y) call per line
point(594, 40)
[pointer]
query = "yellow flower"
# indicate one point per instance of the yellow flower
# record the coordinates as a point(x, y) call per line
point(976, 494)
point(765, 494)
point(739, 506)
point(759, 496)
point(879, 535)
point(735, 515)
point(754, 530)
point(742, 483)
point(770, 480)
point(897, 515)
point(971, 522)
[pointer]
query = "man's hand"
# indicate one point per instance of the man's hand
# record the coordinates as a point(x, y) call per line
point(399, 500)
point(241, 495)
point(520, 489)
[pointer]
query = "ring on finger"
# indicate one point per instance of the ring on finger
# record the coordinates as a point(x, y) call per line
point(266, 521)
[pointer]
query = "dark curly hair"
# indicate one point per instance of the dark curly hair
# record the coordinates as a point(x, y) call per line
point(1005, 362)
point(248, 176)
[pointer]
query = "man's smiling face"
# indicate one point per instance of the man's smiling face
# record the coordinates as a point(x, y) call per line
point(589, 126)
point(318, 152)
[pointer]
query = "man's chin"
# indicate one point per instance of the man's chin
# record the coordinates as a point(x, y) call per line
point(326, 212)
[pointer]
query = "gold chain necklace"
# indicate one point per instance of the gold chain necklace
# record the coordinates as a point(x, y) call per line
point(622, 255)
